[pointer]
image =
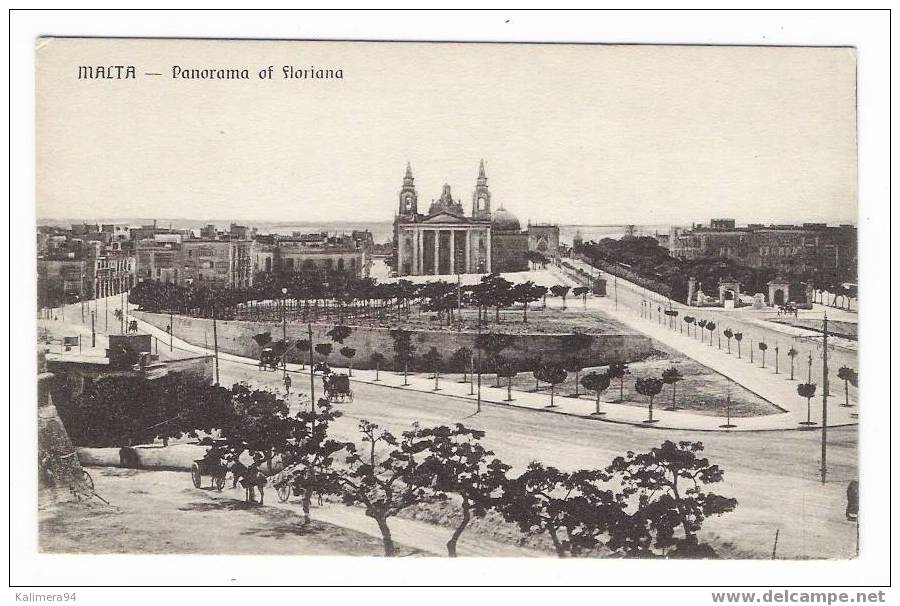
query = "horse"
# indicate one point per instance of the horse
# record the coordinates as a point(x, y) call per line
point(253, 479)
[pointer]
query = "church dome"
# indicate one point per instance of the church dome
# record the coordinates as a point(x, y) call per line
point(503, 220)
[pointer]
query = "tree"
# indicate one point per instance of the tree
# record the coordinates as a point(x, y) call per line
point(262, 339)
point(598, 383)
point(377, 359)
point(579, 346)
point(403, 350)
point(849, 377)
point(349, 353)
point(303, 346)
point(728, 334)
point(560, 290)
point(311, 454)
point(702, 325)
point(792, 353)
point(711, 327)
point(525, 293)
point(535, 363)
point(458, 464)
point(324, 350)
point(581, 291)
point(688, 320)
point(807, 390)
point(738, 337)
point(339, 333)
point(554, 375)
point(384, 483)
point(261, 425)
point(763, 347)
point(492, 344)
point(462, 357)
point(666, 488)
point(618, 370)
point(671, 376)
point(432, 360)
point(507, 370)
point(573, 509)
point(650, 387)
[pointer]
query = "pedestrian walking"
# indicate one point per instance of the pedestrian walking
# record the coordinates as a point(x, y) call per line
point(287, 384)
point(852, 500)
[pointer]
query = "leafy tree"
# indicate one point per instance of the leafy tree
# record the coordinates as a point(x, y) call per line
point(403, 350)
point(618, 370)
point(666, 489)
point(324, 350)
point(349, 353)
point(525, 293)
point(457, 463)
point(535, 363)
point(581, 291)
point(260, 424)
point(377, 359)
point(578, 345)
point(507, 370)
point(763, 347)
point(262, 339)
point(688, 320)
point(560, 290)
point(849, 377)
point(573, 509)
point(598, 383)
point(792, 353)
point(728, 334)
point(738, 337)
point(711, 327)
point(303, 347)
point(388, 482)
point(462, 357)
point(492, 344)
point(671, 376)
point(554, 375)
point(808, 391)
point(702, 325)
point(650, 387)
point(339, 333)
point(432, 360)
point(311, 454)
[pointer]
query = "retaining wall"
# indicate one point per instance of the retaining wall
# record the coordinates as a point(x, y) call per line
point(236, 337)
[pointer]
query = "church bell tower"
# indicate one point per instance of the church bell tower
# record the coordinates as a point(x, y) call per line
point(481, 197)
point(408, 198)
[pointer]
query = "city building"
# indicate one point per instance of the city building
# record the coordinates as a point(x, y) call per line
point(447, 241)
point(314, 253)
point(171, 259)
point(810, 246)
point(73, 269)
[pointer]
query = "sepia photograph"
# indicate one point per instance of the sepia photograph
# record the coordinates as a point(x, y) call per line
point(478, 300)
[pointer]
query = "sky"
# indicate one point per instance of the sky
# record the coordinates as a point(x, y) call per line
point(575, 134)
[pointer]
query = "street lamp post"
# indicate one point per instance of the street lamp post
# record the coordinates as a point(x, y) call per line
point(284, 329)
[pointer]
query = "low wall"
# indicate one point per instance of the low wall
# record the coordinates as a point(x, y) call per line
point(236, 337)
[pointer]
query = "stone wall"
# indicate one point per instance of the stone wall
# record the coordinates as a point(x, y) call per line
point(236, 337)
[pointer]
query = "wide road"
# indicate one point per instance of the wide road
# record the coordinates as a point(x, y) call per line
point(774, 475)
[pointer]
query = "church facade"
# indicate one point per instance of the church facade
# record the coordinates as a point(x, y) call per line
point(446, 241)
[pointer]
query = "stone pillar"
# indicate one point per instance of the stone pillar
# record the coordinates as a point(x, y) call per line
point(437, 251)
point(487, 233)
point(468, 251)
point(400, 240)
point(452, 251)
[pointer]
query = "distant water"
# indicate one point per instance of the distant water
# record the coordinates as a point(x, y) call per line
point(382, 231)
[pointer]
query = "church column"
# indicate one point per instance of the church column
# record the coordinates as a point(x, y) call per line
point(452, 251)
point(437, 251)
point(400, 240)
point(420, 251)
point(488, 261)
point(468, 251)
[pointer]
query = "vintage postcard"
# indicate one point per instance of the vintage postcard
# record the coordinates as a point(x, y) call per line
point(373, 299)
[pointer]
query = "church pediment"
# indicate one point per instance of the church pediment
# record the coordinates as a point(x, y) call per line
point(445, 217)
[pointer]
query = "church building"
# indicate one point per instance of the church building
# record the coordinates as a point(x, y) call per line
point(444, 241)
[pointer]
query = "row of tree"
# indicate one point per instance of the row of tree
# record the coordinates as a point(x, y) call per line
point(344, 297)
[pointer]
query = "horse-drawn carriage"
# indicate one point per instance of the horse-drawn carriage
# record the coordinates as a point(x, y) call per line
point(337, 387)
point(209, 466)
point(269, 359)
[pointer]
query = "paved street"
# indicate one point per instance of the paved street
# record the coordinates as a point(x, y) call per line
point(774, 475)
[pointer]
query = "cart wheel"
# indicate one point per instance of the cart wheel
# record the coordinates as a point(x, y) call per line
point(88, 480)
point(220, 482)
point(196, 478)
point(284, 492)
